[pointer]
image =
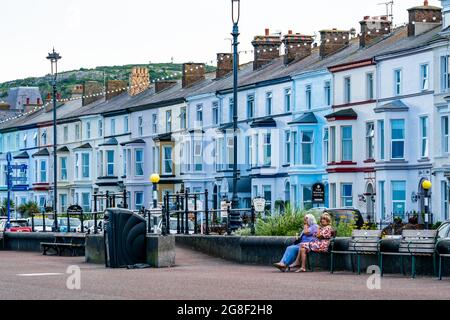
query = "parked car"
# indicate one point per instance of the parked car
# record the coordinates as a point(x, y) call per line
point(63, 227)
point(39, 224)
point(19, 225)
point(89, 226)
point(173, 226)
point(2, 225)
point(346, 216)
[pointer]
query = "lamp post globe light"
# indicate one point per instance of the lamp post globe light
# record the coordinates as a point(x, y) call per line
point(426, 186)
point(236, 13)
point(155, 179)
point(53, 57)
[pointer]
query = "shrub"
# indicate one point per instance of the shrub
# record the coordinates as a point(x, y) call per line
point(344, 229)
point(287, 225)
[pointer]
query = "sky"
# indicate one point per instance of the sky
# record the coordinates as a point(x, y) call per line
point(90, 33)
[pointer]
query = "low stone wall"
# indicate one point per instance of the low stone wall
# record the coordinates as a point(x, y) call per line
point(29, 242)
point(160, 250)
point(268, 250)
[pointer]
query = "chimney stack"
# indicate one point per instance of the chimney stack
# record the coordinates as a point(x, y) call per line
point(163, 85)
point(297, 47)
point(423, 19)
point(224, 65)
point(192, 73)
point(333, 41)
point(139, 81)
point(115, 88)
point(92, 91)
point(373, 28)
point(266, 48)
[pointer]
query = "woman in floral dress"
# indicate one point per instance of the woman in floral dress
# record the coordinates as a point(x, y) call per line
point(324, 236)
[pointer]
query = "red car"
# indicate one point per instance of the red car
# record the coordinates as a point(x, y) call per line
point(19, 226)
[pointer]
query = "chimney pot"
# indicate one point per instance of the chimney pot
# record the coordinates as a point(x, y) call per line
point(267, 32)
point(266, 49)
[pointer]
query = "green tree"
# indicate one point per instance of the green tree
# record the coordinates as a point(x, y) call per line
point(4, 206)
point(28, 209)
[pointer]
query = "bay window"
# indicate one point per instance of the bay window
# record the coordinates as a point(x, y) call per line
point(139, 161)
point(307, 147)
point(370, 141)
point(167, 160)
point(85, 172)
point(110, 163)
point(398, 139)
point(424, 142)
point(347, 143)
point(267, 149)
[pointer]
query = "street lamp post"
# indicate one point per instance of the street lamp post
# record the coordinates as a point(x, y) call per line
point(236, 13)
point(54, 57)
point(426, 185)
point(155, 179)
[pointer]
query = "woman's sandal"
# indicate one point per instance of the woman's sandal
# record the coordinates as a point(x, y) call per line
point(290, 268)
point(280, 267)
point(301, 270)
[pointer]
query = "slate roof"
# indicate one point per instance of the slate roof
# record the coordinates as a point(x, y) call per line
point(110, 142)
point(394, 106)
point(22, 155)
point(307, 118)
point(42, 153)
point(347, 113)
point(137, 141)
point(275, 71)
point(267, 122)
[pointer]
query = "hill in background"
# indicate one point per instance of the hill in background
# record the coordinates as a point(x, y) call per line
point(70, 78)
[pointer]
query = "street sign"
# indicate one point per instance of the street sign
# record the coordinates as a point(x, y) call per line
point(259, 204)
point(318, 193)
point(19, 167)
point(20, 188)
point(19, 179)
point(224, 205)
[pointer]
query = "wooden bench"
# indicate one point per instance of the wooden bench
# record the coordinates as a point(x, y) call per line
point(63, 243)
point(415, 243)
point(363, 242)
point(442, 256)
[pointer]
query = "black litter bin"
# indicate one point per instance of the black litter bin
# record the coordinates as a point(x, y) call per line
point(125, 234)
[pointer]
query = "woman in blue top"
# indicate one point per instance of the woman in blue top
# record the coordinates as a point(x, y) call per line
point(308, 235)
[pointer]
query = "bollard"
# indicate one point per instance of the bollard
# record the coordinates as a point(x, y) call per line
point(68, 222)
point(32, 222)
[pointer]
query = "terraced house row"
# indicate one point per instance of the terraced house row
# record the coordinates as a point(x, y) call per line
point(367, 115)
